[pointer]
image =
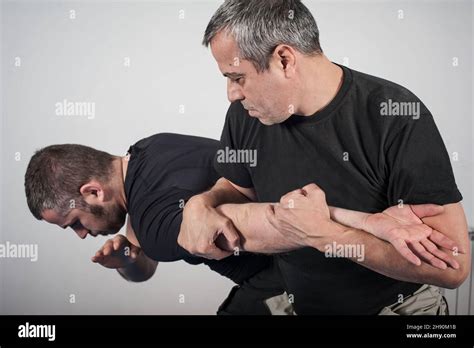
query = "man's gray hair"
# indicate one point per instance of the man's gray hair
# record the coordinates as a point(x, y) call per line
point(259, 26)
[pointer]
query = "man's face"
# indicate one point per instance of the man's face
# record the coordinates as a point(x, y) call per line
point(267, 95)
point(101, 220)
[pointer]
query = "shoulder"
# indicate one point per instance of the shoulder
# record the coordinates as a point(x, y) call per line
point(377, 90)
point(174, 140)
point(388, 106)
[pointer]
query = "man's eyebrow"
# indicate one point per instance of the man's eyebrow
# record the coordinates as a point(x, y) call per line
point(233, 75)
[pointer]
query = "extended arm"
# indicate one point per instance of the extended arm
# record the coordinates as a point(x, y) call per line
point(259, 235)
point(313, 227)
point(381, 257)
point(125, 255)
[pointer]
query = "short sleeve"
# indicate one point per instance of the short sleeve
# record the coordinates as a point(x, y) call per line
point(231, 142)
point(419, 168)
point(157, 222)
point(157, 227)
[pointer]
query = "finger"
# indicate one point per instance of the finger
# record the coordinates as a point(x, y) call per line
point(427, 256)
point(288, 200)
point(425, 210)
point(97, 259)
point(297, 192)
point(441, 240)
point(431, 247)
point(107, 242)
point(116, 243)
point(231, 234)
point(219, 254)
point(107, 249)
point(418, 232)
point(311, 187)
point(402, 247)
point(214, 253)
point(314, 191)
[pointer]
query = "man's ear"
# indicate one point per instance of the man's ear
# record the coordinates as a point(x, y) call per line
point(93, 192)
point(285, 58)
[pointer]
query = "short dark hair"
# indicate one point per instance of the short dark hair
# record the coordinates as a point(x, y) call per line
point(258, 27)
point(56, 173)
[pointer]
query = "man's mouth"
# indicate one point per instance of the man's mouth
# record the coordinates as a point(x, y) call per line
point(252, 112)
point(95, 234)
point(246, 107)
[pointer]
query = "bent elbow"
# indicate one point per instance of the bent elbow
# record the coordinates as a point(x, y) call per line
point(458, 277)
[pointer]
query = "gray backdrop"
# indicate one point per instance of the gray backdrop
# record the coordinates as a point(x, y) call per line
point(142, 64)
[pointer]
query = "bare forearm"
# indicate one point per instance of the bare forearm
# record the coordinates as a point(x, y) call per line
point(139, 271)
point(221, 193)
point(256, 233)
point(347, 217)
point(381, 257)
point(451, 223)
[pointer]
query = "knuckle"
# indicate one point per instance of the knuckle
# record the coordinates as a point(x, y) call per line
point(284, 198)
point(311, 187)
point(320, 193)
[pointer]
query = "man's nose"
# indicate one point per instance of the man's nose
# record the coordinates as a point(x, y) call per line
point(234, 92)
point(82, 233)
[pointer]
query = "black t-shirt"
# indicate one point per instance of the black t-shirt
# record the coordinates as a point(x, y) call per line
point(365, 159)
point(164, 171)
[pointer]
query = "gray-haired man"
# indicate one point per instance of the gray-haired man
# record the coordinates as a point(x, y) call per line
point(311, 120)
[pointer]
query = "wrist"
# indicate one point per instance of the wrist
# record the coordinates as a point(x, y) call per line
point(207, 199)
point(333, 232)
point(364, 222)
point(195, 206)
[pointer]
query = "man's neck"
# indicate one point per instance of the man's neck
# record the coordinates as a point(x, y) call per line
point(121, 166)
point(324, 84)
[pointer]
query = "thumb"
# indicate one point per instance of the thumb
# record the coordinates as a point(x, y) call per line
point(218, 254)
point(426, 210)
point(231, 235)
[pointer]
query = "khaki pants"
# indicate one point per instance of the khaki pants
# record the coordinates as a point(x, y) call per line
point(427, 300)
point(280, 305)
